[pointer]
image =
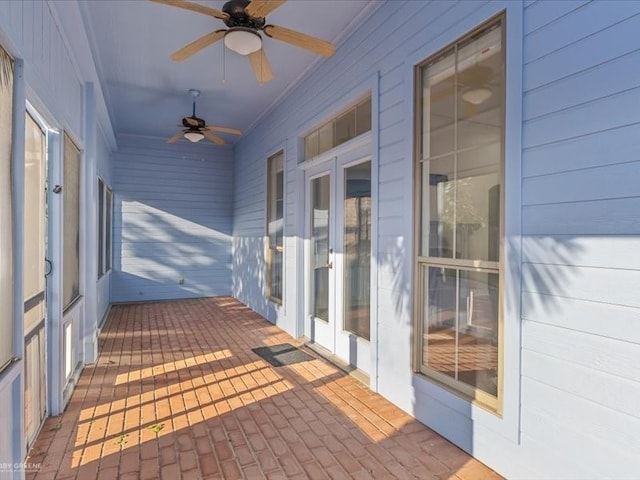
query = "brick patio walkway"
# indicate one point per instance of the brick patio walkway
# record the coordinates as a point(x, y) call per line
point(177, 393)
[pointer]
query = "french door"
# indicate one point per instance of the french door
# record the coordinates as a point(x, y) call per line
point(35, 400)
point(338, 256)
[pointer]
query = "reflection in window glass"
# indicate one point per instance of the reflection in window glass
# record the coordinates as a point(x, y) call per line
point(320, 223)
point(71, 226)
point(363, 117)
point(275, 225)
point(100, 228)
point(461, 326)
point(34, 223)
point(357, 249)
point(461, 168)
point(346, 126)
point(6, 210)
point(107, 228)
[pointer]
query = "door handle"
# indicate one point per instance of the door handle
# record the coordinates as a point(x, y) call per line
point(326, 265)
point(49, 267)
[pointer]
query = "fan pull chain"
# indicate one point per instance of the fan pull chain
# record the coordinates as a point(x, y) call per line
point(224, 65)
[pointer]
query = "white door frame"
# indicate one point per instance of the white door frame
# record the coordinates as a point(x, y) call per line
point(335, 162)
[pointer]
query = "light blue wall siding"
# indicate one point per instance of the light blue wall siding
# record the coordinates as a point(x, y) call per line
point(29, 31)
point(49, 69)
point(172, 220)
point(576, 413)
point(581, 222)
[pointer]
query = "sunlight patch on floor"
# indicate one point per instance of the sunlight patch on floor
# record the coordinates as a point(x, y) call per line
point(171, 366)
point(147, 416)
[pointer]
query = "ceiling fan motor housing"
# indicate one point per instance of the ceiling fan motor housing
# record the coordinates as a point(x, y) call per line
point(193, 122)
point(238, 17)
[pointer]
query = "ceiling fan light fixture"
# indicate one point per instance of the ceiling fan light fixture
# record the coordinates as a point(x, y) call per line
point(242, 40)
point(193, 136)
point(478, 95)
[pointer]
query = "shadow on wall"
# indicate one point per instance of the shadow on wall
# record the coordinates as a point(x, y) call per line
point(161, 255)
point(249, 275)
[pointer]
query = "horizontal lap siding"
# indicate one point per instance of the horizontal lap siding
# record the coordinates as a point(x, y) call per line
point(49, 70)
point(381, 44)
point(581, 225)
point(172, 221)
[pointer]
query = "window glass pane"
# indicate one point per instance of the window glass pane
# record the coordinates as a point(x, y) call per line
point(34, 223)
point(275, 224)
point(275, 274)
point(320, 246)
point(346, 126)
point(363, 117)
point(71, 227)
point(6, 210)
point(311, 145)
point(461, 326)
point(357, 249)
point(461, 168)
point(478, 205)
point(439, 197)
point(108, 214)
point(438, 109)
point(326, 140)
point(100, 228)
point(440, 321)
point(479, 143)
point(478, 330)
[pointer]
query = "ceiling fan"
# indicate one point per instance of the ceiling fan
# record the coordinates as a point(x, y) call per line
point(475, 85)
point(245, 20)
point(197, 128)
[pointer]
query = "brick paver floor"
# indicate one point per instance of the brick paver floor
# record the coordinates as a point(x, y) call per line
point(177, 393)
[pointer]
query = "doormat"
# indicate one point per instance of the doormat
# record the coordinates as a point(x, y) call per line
point(283, 354)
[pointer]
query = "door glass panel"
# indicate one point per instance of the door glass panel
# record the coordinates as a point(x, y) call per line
point(34, 223)
point(320, 246)
point(357, 249)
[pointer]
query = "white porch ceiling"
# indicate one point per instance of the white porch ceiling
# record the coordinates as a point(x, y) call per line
point(147, 93)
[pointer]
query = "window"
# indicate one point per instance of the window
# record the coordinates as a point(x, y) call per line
point(104, 228)
point(71, 234)
point(6, 211)
point(459, 223)
point(275, 226)
point(344, 127)
point(107, 229)
point(100, 228)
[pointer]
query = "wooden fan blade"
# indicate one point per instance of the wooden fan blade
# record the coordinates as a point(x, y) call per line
point(261, 66)
point(176, 137)
point(214, 138)
point(197, 45)
point(194, 7)
point(232, 131)
point(262, 8)
point(301, 40)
